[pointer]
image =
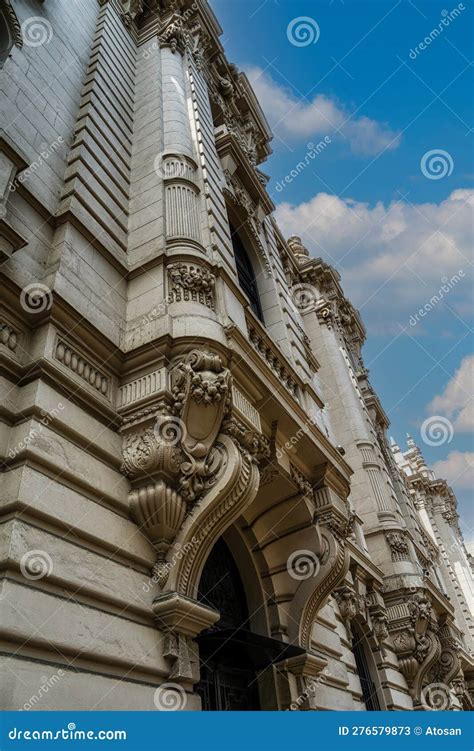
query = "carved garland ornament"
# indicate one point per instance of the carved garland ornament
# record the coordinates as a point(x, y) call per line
point(191, 283)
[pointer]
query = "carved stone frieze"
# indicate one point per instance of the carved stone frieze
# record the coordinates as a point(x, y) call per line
point(8, 336)
point(80, 365)
point(398, 546)
point(250, 441)
point(274, 360)
point(191, 283)
point(175, 34)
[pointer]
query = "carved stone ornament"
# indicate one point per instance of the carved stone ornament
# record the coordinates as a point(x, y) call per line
point(131, 9)
point(191, 464)
point(398, 546)
point(348, 603)
point(300, 252)
point(447, 669)
point(377, 613)
point(11, 18)
point(412, 627)
point(324, 312)
point(175, 34)
point(191, 283)
point(170, 453)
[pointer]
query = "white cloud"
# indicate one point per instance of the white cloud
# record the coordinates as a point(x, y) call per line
point(292, 117)
point(456, 400)
point(457, 469)
point(393, 259)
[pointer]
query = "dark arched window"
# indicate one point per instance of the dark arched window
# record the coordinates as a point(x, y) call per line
point(369, 689)
point(246, 273)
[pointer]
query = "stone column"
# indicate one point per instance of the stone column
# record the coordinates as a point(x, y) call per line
point(179, 168)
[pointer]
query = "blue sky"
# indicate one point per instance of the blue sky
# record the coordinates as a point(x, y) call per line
point(353, 72)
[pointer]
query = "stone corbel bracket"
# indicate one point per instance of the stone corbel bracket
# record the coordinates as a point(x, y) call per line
point(377, 612)
point(412, 627)
point(447, 669)
point(192, 465)
point(333, 521)
point(236, 487)
point(169, 450)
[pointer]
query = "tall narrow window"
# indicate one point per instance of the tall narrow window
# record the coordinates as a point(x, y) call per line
point(246, 273)
point(369, 689)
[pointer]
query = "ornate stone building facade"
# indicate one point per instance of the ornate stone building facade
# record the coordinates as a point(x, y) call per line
point(199, 504)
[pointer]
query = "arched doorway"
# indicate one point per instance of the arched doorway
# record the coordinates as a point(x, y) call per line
point(228, 676)
point(232, 657)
